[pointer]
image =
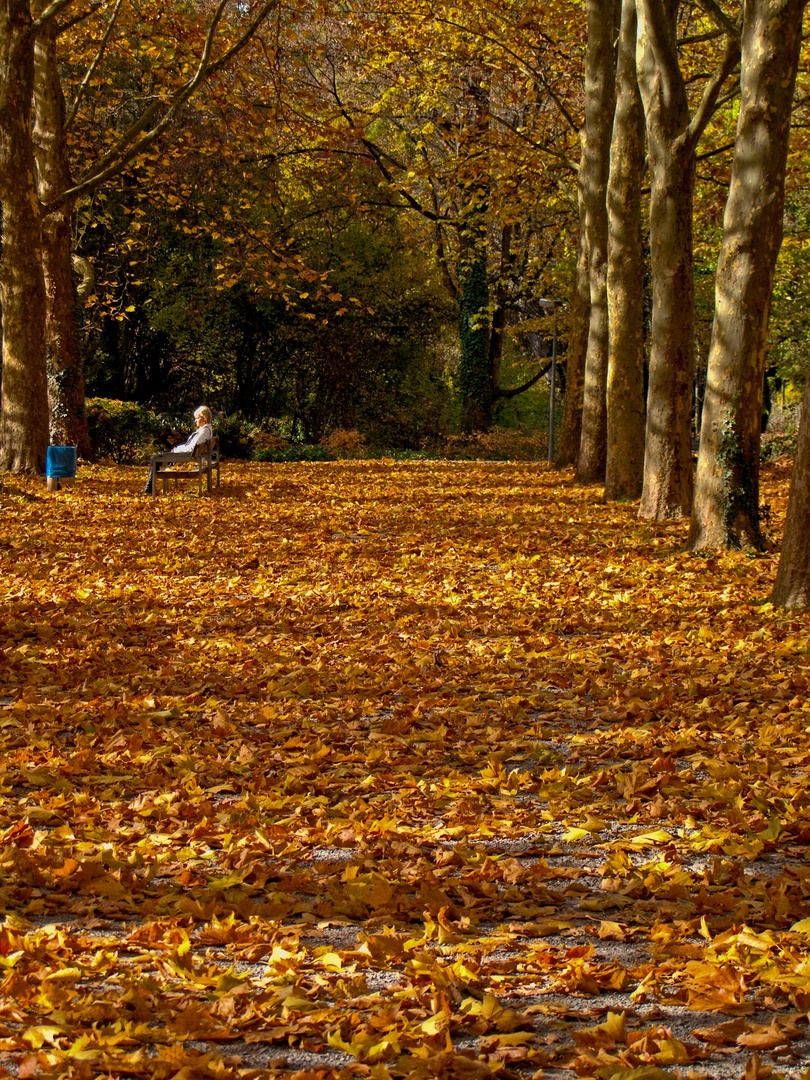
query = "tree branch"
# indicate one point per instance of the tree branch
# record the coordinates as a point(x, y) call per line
point(71, 116)
point(711, 94)
point(720, 19)
point(499, 393)
point(49, 13)
point(663, 48)
point(132, 143)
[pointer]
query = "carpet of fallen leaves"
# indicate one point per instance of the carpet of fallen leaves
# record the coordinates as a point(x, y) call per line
point(383, 769)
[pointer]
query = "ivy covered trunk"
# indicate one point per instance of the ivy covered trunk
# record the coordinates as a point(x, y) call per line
point(625, 278)
point(68, 421)
point(600, 100)
point(24, 422)
point(475, 365)
point(726, 506)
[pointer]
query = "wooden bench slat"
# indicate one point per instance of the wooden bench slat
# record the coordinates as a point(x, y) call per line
point(206, 455)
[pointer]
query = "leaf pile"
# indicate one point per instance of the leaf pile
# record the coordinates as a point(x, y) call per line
point(381, 769)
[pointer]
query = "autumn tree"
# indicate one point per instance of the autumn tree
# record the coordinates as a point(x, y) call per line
point(579, 319)
point(673, 132)
point(24, 420)
point(726, 505)
point(624, 468)
point(68, 423)
point(459, 112)
point(24, 426)
point(600, 101)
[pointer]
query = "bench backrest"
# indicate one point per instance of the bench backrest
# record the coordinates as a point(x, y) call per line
point(209, 449)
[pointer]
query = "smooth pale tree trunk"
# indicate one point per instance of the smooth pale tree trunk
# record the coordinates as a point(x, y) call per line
point(571, 427)
point(672, 136)
point(24, 421)
point(792, 586)
point(625, 277)
point(64, 370)
point(600, 103)
point(726, 507)
point(667, 489)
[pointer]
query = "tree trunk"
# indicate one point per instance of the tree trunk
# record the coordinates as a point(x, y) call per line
point(672, 137)
point(65, 375)
point(667, 490)
point(24, 422)
point(600, 102)
point(625, 278)
point(726, 507)
point(498, 317)
point(475, 371)
point(792, 586)
point(571, 427)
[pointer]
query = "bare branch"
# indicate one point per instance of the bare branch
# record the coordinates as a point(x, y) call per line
point(717, 151)
point(720, 19)
point(499, 393)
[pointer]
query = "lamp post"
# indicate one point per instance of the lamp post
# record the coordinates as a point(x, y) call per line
point(552, 305)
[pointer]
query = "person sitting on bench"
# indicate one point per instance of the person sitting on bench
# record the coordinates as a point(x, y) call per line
point(203, 433)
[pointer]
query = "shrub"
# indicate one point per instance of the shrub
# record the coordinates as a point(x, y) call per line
point(780, 438)
point(235, 438)
point(122, 430)
point(492, 446)
point(290, 452)
point(345, 444)
point(777, 446)
point(266, 440)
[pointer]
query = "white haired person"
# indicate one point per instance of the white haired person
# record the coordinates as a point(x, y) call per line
point(203, 432)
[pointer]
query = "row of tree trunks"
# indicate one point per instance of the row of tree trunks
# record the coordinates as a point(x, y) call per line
point(625, 277)
point(725, 509)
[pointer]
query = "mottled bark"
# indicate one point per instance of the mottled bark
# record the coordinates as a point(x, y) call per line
point(600, 102)
point(726, 507)
point(625, 277)
point(792, 586)
point(672, 136)
point(667, 490)
point(65, 375)
point(571, 427)
point(24, 421)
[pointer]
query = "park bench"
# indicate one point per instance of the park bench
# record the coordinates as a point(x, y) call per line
point(202, 461)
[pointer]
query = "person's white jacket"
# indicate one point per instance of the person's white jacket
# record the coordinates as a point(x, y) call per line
point(202, 434)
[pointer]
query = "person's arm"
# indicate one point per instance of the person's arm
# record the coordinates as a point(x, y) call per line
point(202, 434)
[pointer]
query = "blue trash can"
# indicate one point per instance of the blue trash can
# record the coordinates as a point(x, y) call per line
point(60, 466)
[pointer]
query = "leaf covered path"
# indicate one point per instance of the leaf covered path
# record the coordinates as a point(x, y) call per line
point(381, 769)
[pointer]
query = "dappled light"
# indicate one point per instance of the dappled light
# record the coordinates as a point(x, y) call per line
point(394, 769)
